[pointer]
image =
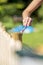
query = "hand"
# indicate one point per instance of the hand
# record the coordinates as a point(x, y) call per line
point(26, 19)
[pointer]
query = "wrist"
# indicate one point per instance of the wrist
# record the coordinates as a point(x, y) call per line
point(26, 13)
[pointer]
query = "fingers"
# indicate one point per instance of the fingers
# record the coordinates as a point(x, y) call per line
point(27, 21)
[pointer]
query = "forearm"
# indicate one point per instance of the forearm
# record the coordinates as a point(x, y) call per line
point(33, 6)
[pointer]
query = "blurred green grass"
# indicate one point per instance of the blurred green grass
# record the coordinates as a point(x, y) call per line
point(34, 39)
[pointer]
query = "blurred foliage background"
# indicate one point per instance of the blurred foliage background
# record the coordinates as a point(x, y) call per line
point(11, 8)
point(10, 16)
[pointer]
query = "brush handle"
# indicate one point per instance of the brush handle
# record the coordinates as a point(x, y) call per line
point(25, 27)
